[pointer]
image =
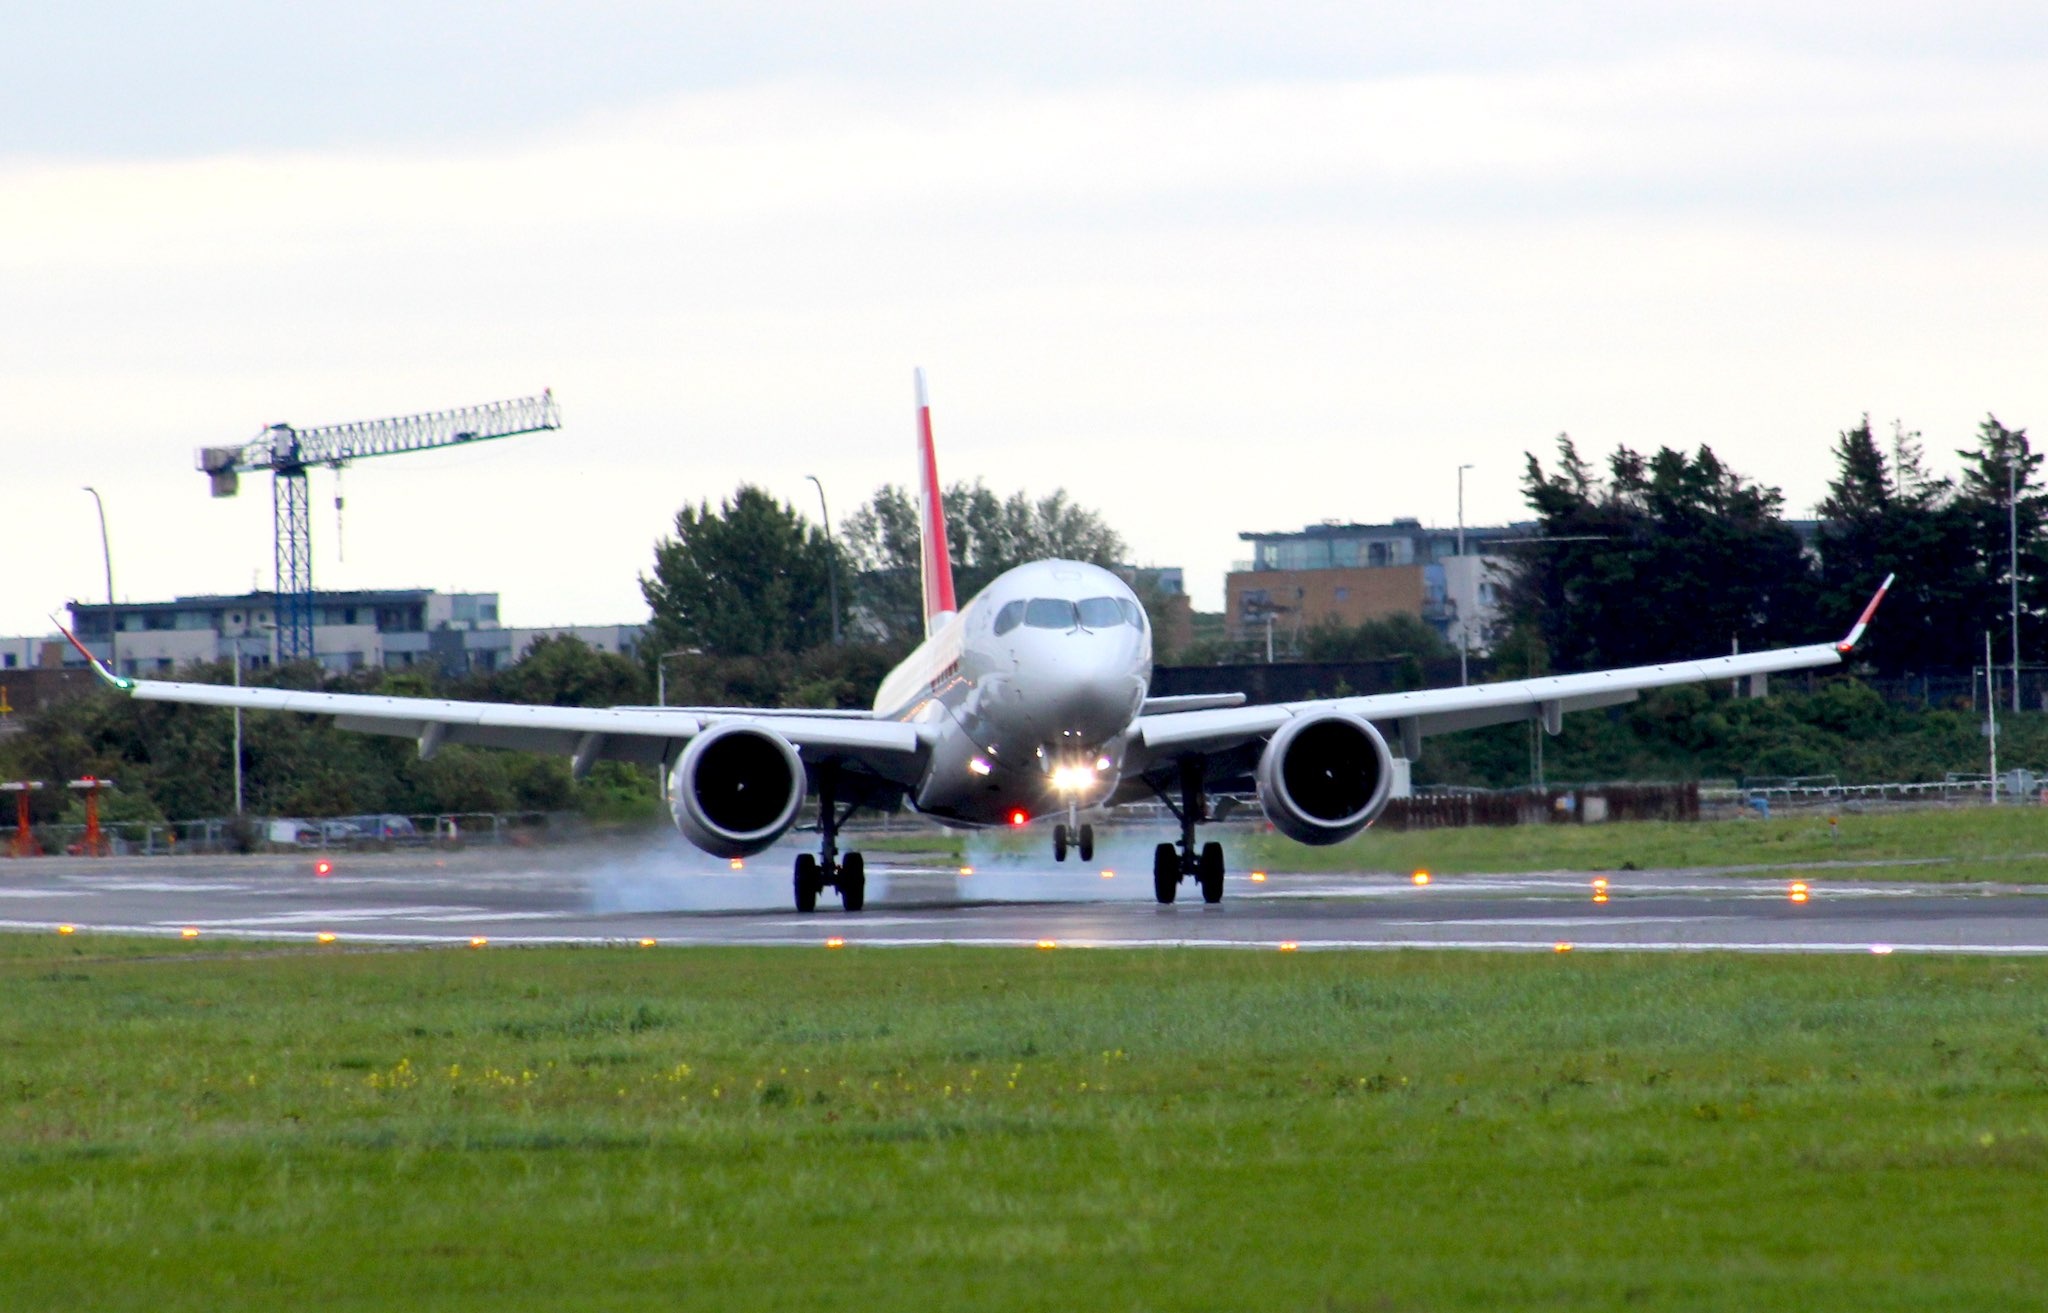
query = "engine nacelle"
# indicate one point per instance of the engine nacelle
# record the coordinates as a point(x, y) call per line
point(736, 790)
point(1323, 778)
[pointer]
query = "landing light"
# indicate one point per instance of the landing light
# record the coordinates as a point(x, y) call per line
point(1072, 779)
point(980, 766)
point(1103, 763)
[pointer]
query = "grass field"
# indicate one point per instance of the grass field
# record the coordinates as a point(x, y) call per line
point(1971, 843)
point(199, 1127)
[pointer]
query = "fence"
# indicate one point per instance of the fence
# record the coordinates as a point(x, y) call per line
point(276, 834)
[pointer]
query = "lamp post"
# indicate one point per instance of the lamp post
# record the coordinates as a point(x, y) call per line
point(107, 557)
point(2012, 567)
point(1464, 629)
point(272, 630)
point(661, 674)
point(832, 571)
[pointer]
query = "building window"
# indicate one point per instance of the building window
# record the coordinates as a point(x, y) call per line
point(7, 660)
point(1378, 554)
point(1343, 594)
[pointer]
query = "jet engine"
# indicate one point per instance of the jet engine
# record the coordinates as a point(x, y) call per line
point(736, 790)
point(1323, 778)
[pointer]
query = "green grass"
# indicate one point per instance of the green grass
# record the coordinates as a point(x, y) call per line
point(1967, 843)
point(1015, 1129)
point(1955, 844)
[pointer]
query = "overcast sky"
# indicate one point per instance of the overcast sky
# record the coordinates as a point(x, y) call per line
point(1211, 268)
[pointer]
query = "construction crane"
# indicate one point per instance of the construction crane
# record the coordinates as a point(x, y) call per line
point(288, 453)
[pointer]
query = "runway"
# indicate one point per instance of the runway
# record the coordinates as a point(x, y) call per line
point(627, 896)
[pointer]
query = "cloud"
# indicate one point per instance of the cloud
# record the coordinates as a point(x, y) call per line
point(1201, 306)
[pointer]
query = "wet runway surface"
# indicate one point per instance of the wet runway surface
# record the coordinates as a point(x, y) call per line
point(571, 896)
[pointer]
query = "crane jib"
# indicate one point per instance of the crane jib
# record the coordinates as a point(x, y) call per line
point(287, 453)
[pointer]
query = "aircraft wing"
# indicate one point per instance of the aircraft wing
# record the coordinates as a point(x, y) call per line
point(1405, 719)
point(889, 751)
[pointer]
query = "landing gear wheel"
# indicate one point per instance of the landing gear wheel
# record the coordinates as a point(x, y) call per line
point(853, 882)
point(1059, 843)
point(1087, 843)
point(1165, 872)
point(806, 883)
point(1212, 873)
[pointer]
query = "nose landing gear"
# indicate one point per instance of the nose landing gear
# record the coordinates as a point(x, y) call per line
point(1083, 838)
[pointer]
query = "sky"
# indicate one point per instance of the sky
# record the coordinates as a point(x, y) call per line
point(1211, 268)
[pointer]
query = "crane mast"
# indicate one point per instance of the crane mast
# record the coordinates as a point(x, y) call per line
point(288, 453)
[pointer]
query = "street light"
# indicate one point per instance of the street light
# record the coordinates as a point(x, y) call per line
point(832, 571)
point(246, 630)
point(1464, 626)
point(107, 556)
point(661, 674)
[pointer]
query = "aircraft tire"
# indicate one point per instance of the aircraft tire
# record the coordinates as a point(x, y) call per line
point(1059, 843)
point(1086, 845)
point(853, 882)
point(1165, 872)
point(1212, 872)
point(806, 883)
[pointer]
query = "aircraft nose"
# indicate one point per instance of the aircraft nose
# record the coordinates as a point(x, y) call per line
point(1090, 704)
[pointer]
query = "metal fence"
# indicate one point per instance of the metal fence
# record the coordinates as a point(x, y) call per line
point(255, 834)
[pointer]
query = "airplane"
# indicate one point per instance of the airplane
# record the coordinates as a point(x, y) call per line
point(1030, 701)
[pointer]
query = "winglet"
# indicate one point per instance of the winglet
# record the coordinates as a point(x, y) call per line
point(98, 667)
point(1856, 634)
point(937, 559)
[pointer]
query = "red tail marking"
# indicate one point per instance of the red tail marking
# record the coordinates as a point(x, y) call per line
point(937, 557)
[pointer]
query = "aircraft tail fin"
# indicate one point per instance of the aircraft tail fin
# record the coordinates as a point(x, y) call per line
point(937, 559)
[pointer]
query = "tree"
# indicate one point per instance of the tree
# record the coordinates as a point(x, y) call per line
point(1890, 517)
point(749, 579)
point(2000, 491)
point(1670, 556)
point(985, 535)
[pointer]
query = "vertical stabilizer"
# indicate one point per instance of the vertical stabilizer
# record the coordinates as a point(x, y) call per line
point(937, 559)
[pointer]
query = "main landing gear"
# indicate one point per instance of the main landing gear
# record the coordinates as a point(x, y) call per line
point(1083, 840)
point(1173, 863)
point(828, 870)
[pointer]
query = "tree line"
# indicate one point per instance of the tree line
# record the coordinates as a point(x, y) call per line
point(1675, 555)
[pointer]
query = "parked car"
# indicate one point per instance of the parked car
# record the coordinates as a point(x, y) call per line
point(387, 827)
point(294, 833)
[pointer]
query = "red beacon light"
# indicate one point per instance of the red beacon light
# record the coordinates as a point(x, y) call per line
point(1018, 817)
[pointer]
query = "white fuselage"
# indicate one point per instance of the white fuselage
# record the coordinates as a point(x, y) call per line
point(1030, 691)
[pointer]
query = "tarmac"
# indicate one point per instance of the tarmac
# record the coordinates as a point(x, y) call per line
point(664, 894)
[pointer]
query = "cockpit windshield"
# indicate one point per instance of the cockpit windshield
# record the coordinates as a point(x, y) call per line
point(1059, 613)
